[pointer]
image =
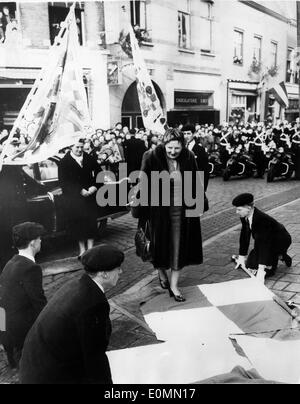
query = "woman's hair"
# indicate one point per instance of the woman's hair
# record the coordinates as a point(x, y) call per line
point(173, 134)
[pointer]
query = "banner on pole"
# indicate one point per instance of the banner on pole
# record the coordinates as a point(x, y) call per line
point(55, 113)
point(152, 113)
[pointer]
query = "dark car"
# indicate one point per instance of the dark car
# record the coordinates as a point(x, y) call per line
point(44, 202)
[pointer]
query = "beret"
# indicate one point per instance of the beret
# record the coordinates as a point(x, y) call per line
point(243, 199)
point(27, 231)
point(102, 258)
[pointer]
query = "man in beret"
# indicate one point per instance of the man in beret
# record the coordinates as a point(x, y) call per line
point(21, 295)
point(271, 239)
point(68, 342)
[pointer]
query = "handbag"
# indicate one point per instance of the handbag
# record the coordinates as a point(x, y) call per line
point(143, 243)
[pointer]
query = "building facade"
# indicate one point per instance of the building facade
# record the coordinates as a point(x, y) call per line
point(209, 61)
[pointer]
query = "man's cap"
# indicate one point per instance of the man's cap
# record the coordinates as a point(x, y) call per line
point(25, 232)
point(243, 199)
point(102, 258)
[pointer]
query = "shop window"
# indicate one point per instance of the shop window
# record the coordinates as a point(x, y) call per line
point(238, 47)
point(184, 25)
point(274, 49)
point(58, 13)
point(9, 25)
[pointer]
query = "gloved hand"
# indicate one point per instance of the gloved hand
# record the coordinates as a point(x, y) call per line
point(241, 262)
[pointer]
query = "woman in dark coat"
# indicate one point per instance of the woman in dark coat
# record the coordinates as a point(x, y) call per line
point(78, 182)
point(175, 238)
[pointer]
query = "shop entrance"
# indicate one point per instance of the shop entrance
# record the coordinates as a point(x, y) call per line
point(131, 111)
point(11, 101)
point(176, 118)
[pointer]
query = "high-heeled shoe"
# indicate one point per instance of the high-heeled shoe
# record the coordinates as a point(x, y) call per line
point(177, 298)
point(164, 283)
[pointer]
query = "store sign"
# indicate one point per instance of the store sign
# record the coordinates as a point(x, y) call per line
point(187, 99)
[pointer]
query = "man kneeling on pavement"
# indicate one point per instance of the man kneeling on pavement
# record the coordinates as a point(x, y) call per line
point(271, 239)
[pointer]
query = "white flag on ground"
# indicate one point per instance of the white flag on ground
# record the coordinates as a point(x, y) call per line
point(55, 113)
point(152, 113)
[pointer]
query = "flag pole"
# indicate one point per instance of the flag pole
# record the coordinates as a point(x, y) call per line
point(57, 42)
point(298, 48)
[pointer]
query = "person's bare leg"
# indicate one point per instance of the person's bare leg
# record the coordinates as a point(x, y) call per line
point(82, 248)
point(174, 282)
point(163, 278)
point(90, 243)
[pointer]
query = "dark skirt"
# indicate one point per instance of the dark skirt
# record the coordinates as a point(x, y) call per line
point(175, 232)
point(82, 219)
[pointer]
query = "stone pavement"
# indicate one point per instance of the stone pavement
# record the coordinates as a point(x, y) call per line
point(129, 328)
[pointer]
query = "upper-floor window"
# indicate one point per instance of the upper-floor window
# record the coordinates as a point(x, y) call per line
point(138, 19)
point(138, 14)
point(274, 49)
point(184, 24)
point(207, 27)
point(57, 14)
point(289, 71)
point(9, 26)
point(257, 48)
point(238, 47)
point(292, 70)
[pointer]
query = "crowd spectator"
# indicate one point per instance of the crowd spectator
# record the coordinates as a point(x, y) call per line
point(77, 178)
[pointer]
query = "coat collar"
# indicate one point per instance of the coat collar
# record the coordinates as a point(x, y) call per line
point(159, 154)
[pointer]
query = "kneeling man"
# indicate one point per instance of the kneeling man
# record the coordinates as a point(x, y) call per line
point(271, 239)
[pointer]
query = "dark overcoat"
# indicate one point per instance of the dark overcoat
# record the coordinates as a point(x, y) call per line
point(271, 238)
point(190, 252)
point(22, 296)
point(81, 211)
point(133, 153)
point(68, 341)
point(202, 162)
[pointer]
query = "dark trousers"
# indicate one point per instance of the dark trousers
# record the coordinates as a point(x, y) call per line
point(276, 252)
point(13, 353)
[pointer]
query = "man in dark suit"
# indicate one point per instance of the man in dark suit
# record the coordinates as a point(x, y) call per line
point(68, 342)
point(271, 239)
point(22, 295)
point(199, 151)
point(134, 150)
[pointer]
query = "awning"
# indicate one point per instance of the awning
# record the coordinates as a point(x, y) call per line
point(244, 93)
